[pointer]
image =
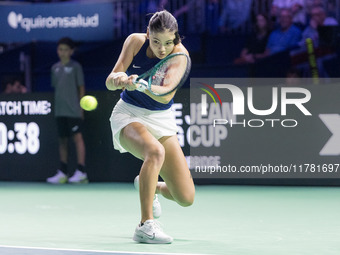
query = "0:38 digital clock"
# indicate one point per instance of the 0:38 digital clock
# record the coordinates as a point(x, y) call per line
point(23, 138)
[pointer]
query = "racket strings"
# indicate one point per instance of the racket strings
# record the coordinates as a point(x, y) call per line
point(159, 76)
point(170, 73)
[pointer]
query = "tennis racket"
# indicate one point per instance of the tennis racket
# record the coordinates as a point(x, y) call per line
point(166, 76)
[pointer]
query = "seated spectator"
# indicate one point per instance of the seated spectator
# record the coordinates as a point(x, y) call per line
point(234, 14)
point(320, 15)
point(286, 37)
point(318, 19)
point(256, 44)
point(14, 86)
point(297, 7)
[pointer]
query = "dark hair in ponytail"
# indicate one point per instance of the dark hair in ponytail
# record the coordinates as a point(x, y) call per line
point(164, 20)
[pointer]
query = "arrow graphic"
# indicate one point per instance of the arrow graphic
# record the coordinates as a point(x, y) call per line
point(332, 122)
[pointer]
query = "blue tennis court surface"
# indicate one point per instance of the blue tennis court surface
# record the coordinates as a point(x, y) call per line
point(100, 218)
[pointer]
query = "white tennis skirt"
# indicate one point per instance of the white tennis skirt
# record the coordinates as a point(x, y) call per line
point(158, 123)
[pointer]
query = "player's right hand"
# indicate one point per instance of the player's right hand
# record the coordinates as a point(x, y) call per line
point(129, 84)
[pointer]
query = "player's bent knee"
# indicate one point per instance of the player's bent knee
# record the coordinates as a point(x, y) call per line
point(155, 152)
point(186, 200)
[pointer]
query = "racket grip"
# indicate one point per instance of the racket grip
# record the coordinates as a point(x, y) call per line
point(142, 85)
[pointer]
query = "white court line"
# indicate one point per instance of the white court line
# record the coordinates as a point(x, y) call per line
point(96, 251)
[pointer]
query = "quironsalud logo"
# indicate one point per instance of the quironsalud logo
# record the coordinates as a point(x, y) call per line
point(16, 20)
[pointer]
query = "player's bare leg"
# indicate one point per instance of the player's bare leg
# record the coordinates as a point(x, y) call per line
point(178, 185)
point(136, 139)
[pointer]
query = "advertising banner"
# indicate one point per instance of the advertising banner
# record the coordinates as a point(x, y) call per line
point(264, 128)
point(50, 22)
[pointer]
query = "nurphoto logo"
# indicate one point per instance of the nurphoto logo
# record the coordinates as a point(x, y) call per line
point(295, 96)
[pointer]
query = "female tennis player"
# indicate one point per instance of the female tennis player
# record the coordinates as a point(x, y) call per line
point(143, 124)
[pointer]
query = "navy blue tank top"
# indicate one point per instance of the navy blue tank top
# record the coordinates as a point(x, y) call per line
point(140, 64)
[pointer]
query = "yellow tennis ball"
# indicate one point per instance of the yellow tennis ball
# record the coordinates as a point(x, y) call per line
point(88, 103)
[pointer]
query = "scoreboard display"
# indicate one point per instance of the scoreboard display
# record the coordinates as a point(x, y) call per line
point(21, 137)
point(29, 140)
point(28, 136)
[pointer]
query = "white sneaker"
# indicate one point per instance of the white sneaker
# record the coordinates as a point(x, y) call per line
point(151, 232)
point(58, 178)
point(156, 205)
point(78, 177)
